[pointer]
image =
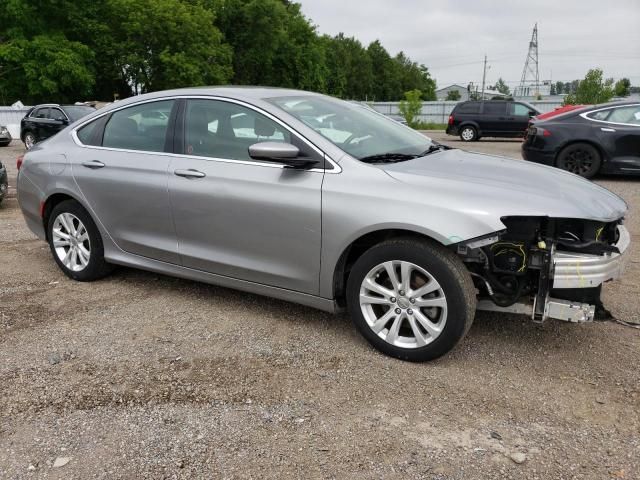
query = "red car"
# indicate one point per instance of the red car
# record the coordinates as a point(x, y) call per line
point(558, 111)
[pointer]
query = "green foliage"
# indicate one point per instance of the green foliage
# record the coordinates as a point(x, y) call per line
point(67, 50)
point(429, 126)
point(453, 95)
point(44, 67)
point(502, 87)
point(411, 106)
point(622, 87)
point(593, 89)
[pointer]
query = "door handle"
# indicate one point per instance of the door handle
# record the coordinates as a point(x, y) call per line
point(94, 164)
point(191, 173)
point(604, 129)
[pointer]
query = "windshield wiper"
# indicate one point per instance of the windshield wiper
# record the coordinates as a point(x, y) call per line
point(436, 147)
point(388, 158)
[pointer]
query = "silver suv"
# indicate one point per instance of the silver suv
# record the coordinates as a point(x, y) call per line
point(310, 199)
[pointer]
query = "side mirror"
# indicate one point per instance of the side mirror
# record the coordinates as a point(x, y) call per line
point(532, 113)
point(280, 152)
point(61, 121)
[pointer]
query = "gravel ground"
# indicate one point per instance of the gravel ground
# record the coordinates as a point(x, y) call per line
point(145, 376)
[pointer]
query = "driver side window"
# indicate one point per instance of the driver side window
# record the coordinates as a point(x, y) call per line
point(219, 129)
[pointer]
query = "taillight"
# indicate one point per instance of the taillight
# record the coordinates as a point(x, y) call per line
point(450, 119)
point(19, 161)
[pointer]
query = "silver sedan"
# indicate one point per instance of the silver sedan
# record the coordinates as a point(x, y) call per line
point(310, 199)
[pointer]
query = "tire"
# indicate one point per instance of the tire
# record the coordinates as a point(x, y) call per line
point(448, 290)
point(29, 140)
point(580, 158)
point(468, 134)
point(67, 218)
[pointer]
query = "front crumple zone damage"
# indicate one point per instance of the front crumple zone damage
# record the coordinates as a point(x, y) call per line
point(546, 267)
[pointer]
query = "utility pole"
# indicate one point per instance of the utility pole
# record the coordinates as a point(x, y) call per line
point(484, 76)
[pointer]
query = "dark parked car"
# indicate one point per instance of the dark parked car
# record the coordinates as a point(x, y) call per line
point(598, 138)
point(490, 118)
point(43, 121)
point(4, 184)
point(5, 136)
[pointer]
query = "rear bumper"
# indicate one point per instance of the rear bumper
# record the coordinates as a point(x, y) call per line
point(575, 270)
point(452, 130)
point(537, 156)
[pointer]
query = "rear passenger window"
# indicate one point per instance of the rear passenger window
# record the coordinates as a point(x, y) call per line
point(86, 134)
point(495, 108)
point(142, 127)
point(469, 107)
point(600, 115)
point(630, 115)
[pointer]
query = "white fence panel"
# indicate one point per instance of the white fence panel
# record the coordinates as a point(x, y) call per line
point(10, 118)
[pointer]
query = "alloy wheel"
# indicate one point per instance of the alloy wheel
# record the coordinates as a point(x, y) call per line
point(29, 141)
point(467, 134)
point(71, 242)
point(579, 162)
point(403, 304)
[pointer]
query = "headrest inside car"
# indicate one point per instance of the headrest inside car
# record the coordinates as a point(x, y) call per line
point(263, 128)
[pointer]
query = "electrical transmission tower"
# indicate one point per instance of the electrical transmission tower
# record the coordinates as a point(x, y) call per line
point(530, 74)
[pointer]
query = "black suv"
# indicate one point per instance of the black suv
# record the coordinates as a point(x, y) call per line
point(490, 118)
point(43, 121)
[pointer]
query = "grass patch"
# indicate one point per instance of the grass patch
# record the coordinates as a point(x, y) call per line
point(429, 126)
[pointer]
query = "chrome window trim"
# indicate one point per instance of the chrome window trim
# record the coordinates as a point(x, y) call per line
point(586, 117)
point(335, 170)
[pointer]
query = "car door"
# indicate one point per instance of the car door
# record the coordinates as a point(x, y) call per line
point(122, 173)
point(234, 216)
point(57, 121)
point(619, 134)
point(494, 117)
point(39, 123)
point(518, 118)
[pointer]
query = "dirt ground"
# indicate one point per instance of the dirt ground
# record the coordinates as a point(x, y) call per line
point(145, 376)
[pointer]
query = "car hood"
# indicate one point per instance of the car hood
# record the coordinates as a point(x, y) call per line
point(494, 186)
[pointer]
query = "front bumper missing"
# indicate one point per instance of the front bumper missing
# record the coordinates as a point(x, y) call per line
point(574, 312)
point(573, 270)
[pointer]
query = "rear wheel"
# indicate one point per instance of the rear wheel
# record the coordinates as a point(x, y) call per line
point(468, 134)
point(76, 243)
point(411, 299)
point(580, 158)
point(29, 140)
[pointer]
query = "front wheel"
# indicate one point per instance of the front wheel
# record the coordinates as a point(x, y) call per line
point(468, 134)
point(76, 243)
point(411, 299)
point(580, 158)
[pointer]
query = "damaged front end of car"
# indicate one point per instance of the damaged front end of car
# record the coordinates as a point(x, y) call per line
point(546, 267)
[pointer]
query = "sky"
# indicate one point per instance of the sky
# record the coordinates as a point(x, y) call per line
point(451, 37)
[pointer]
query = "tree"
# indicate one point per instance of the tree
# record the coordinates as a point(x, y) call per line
point(411, 106)
point(623, 87)
point(502, 87)
point(453, 95)
point(45, 67)
point(593, 89)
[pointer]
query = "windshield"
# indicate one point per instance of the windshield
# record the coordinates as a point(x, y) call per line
point(76, 112)
point(360, 131)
